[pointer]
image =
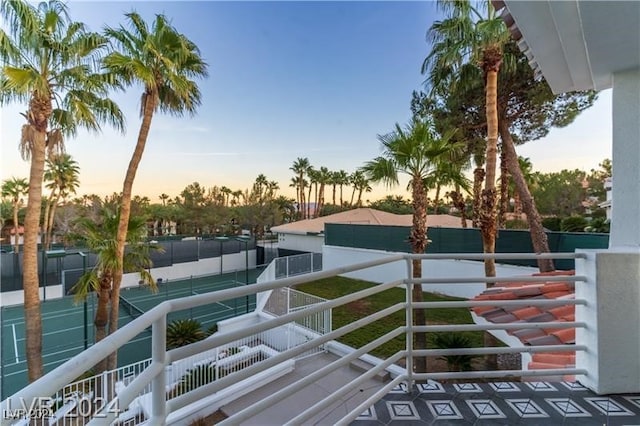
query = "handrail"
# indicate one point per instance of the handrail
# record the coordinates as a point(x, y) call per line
point(157, 316)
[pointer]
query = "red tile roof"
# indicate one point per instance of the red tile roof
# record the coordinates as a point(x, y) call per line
point(522, 314)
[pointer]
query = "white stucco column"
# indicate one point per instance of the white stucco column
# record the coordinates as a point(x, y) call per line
point(612, 317)
point(625, 210)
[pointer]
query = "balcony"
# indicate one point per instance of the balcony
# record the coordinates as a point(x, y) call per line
point(286, 366)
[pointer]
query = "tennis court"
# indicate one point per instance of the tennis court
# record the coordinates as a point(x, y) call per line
point(64, 325)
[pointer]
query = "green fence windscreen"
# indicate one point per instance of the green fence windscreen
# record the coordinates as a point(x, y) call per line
point(459, 240)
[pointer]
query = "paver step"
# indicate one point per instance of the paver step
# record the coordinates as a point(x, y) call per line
point(363, 366)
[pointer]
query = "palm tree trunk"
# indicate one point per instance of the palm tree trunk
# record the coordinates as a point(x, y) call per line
point(418, 240)
point(458, 202)
point(309, 202)
point(102, 317)
point(437, 199)
point(125, 212)
point(52, 214)
point(489, 198)
point(517, 205)
point(353, 195)
point(504, 189)
point(478, 178)
point(16, 225)
point(334, 194)
point(538, 236)
point(45, 231)
point(31, 285)
point(341, 201)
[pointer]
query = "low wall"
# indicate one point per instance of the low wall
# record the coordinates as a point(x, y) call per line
point(335, 256)
point(210, 266)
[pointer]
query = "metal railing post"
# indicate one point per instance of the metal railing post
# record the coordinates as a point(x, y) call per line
point(158, 355)
point(409, 324)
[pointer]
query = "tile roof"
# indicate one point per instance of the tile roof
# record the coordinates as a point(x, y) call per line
point(365, 216)
point(533, 337)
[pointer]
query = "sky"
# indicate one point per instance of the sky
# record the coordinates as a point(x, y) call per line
point(286, 80)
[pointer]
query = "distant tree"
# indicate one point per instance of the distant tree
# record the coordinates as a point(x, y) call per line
point(62, 174)
point(596, 179)
point(561, 193)
point(395, 204)
point(300, 167)
point(13, 190)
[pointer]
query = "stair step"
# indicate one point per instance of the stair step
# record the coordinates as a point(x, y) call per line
point(363, 366)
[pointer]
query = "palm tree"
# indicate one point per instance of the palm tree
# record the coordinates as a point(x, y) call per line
point(343, 179)
point(227, 193)
point(100, 237)
point(62, 172)
point(183, 332)
point(413, 151)
point(14, 189)
point(324, 179)
point(312, 174)
point(300, 167)
point(49, 62)
point(163, 197)
point(361, 183)
point(164, 62)
point(468, 36)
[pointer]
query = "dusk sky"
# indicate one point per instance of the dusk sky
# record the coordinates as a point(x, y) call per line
point(287, 80)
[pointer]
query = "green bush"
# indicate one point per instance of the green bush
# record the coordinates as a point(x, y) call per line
point(183, 332)
point(573, 224)
point(516, 224)
point(452, 341)
point(552, 223)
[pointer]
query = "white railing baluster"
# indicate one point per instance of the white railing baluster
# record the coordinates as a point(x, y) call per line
point(158, 356)
point(409, 324)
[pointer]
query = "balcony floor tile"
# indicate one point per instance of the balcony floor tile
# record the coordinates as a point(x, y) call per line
point(503, 403)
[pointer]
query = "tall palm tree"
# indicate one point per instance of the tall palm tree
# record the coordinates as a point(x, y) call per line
point(300, 167)
point(100, 237)
point(324, 179)
point(62, 173)
point(412, 151)
point(165, 63)
point(469, 36)
point(14, 189)
point(343, 179)
point(312, 174)
point(49, 62)
point(163, 197)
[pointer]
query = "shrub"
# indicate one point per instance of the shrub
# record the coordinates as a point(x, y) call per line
point(552, 223)
point(455, 340)
point(516, 224)
point(574, 224)
point(183, 332)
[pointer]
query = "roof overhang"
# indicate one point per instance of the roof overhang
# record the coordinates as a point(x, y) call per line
point(575, 44)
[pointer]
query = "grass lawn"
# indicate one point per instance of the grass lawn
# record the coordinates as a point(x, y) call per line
point(332, 288)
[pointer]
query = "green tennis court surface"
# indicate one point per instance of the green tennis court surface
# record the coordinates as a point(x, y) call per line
point(63, 323)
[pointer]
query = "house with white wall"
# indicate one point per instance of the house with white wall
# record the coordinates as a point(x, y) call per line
point(308, 235)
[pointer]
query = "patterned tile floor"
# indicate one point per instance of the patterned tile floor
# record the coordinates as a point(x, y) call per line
point(501, 403)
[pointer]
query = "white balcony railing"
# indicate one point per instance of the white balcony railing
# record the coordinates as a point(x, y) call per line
point(164, 402)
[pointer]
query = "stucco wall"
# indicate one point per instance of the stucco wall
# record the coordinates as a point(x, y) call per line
point(334, 257)
point(311, 243)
